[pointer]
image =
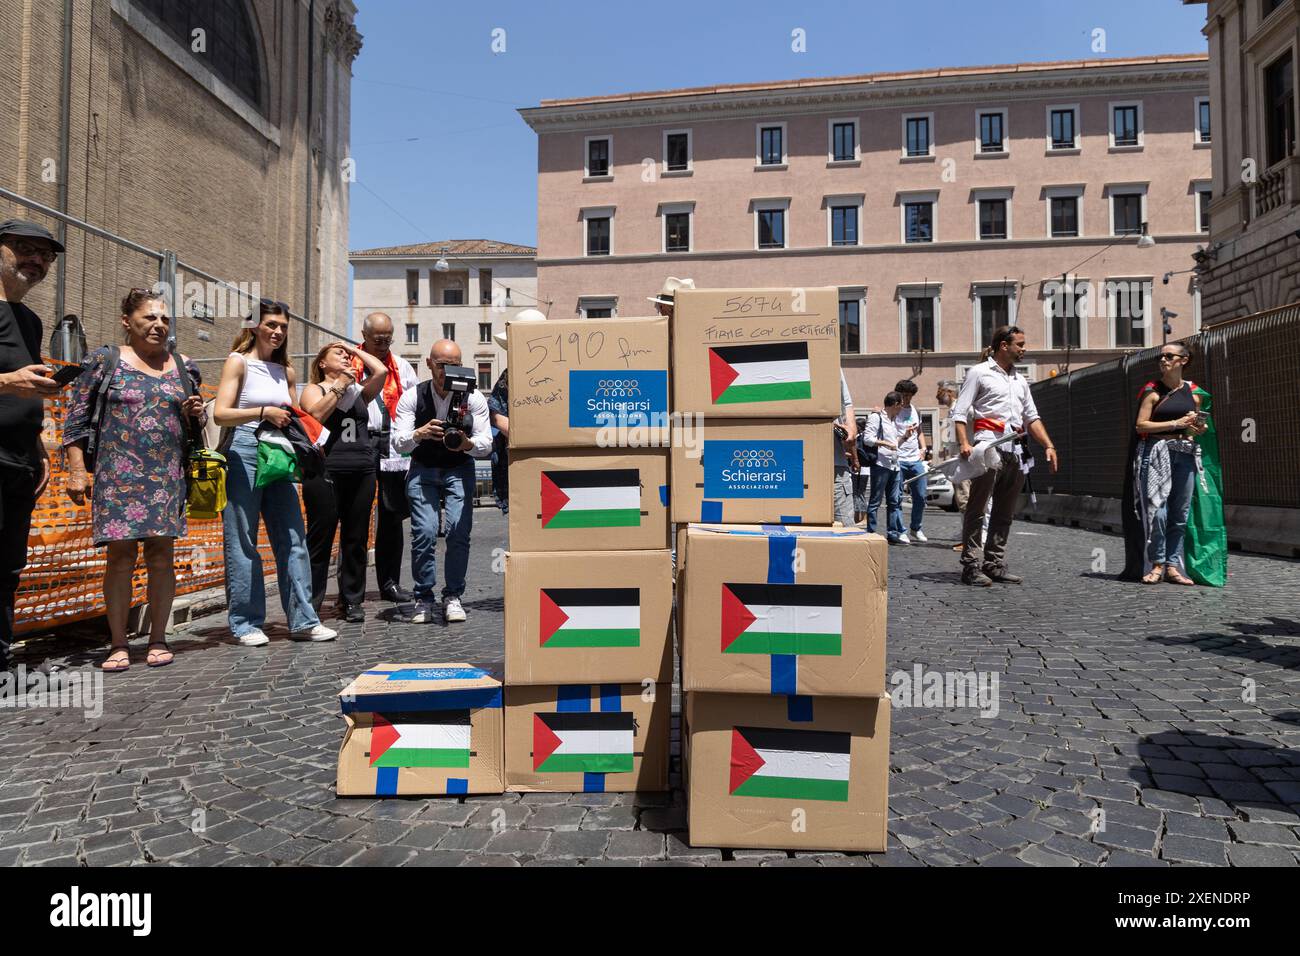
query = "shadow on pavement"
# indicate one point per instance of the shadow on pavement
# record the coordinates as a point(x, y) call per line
point(1248, 775)
point(1247, 642)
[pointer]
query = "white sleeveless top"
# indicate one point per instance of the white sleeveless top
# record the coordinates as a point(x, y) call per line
point(265, 383)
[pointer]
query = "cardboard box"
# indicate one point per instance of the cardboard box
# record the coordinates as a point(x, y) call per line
point(757, 353)
point(764, 472)
point(795, 773)
point(421, 729)
point(588, 383)
point(588, 500)
point(603, 616)
point(592, 738)
point(786, 610)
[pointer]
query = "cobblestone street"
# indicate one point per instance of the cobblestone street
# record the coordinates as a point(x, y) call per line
point(1175, 712)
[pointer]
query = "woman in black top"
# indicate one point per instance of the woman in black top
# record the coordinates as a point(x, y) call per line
point(1168, 464)
point(345, 494)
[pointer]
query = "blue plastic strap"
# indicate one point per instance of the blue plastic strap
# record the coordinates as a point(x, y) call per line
point(710, 511)
point(386, 782)
point(424, 701)
point(791, 519)
point(784, 673)
point(780, 559)
point(799, 709)
point(663, 495)
point(573, 698)
point(611, 698)
point(457, 785)
point(593, 783)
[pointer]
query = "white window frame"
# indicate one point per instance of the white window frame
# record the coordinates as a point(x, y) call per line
point(918, 195)
point(1111, 309)
point(849, 199)
point(1075, 283)
point(1047, 136)
point(919, 290)
point(1110, 126)
point(667, 209)
point(758, 145)
point(767, 205)
point(1074, 192)
point(991, 287)
point(1125, 189)
point(586, 159)
point(902, 152)
point(982, 193)
point(1198, 187)
point(597, 212)
point(586, 302)
point(690, 153)
point(1006, 133)
point(854, 294)
point(830, 141)
point(1197, 142)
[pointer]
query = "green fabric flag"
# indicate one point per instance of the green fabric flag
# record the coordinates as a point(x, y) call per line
point(1206, 550)
point(276, 460)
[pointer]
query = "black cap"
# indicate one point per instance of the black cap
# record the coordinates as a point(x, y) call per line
point(29, 230)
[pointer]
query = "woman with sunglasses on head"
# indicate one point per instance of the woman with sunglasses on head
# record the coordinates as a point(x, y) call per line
point(1168, 461)
point(139, 482)
point(343, 496)
point(257, 385)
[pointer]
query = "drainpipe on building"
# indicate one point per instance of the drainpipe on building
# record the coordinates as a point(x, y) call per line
point(65, 124)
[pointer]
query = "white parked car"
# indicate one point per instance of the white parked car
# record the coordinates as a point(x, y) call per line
point(939, 491)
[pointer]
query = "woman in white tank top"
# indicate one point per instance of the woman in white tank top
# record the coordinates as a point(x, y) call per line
point(258, 385)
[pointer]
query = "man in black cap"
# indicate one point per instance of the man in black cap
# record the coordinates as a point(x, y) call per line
point(26, 252)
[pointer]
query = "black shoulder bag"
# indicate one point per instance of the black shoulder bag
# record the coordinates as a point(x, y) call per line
point(99, 405)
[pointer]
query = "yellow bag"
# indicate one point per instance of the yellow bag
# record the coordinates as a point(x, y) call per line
point(205, 475)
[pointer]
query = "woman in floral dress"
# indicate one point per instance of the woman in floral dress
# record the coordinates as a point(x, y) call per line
point(139, 482)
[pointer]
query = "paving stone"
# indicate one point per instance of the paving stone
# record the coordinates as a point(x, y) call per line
point(516, 842)
point(1038, 856)
point(1189, 850)
point(1241, 854)
point(577, 844)
point(635, 843)
point(465, 839)
point(1266, 834)
point(1127, 858)
point(565, 817)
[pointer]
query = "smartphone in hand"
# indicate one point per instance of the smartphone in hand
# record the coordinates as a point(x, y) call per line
point(65, 375)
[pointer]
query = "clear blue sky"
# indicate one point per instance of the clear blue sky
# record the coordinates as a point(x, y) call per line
point(442, 154)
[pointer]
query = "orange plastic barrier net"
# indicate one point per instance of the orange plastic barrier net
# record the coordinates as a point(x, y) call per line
point(64, 578)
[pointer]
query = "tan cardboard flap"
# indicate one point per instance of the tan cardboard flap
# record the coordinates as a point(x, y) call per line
point(602, 616)
point(588, 383)
point(791, 610)
point(757, 353)
point(759, 778)
point(588, 500)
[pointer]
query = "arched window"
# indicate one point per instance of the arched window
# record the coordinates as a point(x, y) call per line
point(231, 45)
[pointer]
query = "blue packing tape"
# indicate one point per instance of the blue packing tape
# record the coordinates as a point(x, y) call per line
point(593, 783)
point(799, 709)
point(386, 782)
point(458, 785)
point(785, 670)
point(780, 559)
point(573, 698)
point(423, 701)
point(791, 519)
point(663, 495)
point(710, 511)
point(611, 698)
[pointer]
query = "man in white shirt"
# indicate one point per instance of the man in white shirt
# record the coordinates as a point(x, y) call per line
point(995, 400)
point(390, 538)
point(440, 475)
point(843, 473)
point(881, 433)
point(911, 454)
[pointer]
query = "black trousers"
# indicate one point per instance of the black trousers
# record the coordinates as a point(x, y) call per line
point(390, 534)
point(17, 499)
point(339, 501)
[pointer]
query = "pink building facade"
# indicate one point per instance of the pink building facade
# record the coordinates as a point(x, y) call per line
point(941, 203)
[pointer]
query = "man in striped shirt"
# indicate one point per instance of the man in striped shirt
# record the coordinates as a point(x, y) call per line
point(994, 401)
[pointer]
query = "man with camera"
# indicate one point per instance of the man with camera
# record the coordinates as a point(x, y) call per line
point(443, 424)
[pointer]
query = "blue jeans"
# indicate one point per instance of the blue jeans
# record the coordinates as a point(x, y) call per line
point(278, 506)
point(886, 483)
point(906, 469)
point(429, 490)
point(1169, 527)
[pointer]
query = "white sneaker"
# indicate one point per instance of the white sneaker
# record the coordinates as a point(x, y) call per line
point(422, 614)
point(904, 539)
point(318, 633)
point(254, 638)
point(920, 536)
point(452, 612)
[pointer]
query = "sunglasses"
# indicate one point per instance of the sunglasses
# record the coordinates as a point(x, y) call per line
point(28, 250)
point(274, 304)
point(1171, 356)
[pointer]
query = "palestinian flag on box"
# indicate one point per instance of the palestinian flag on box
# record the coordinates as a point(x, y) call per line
point(589, 617)
point(583, 742)
point(775, 372)
point(290, 453)
point(591, 499)
point(439, 739)
point(781, 619)
point(789, 764)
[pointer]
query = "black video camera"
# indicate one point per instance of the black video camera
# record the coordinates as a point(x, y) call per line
point(459, 381)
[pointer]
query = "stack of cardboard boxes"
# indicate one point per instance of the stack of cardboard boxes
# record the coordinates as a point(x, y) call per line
point(781, 618)
point(588, 593)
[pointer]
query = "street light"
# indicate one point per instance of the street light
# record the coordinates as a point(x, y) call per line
point(1145, 241)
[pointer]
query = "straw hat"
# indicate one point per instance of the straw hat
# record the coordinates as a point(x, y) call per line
point(525, 315)
point(671, 285)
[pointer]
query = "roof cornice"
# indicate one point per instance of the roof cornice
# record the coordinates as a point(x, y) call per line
point(709, 106)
